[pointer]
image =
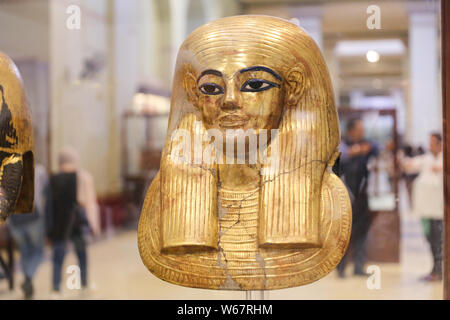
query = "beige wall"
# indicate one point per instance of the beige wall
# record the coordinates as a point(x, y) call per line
point(24, 29)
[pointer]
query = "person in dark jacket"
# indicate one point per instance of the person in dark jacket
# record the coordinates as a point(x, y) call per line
point(356, 152)
point(69, 221)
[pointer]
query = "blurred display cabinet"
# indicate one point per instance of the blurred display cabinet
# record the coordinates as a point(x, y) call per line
point(144, 128)
point(383, 239)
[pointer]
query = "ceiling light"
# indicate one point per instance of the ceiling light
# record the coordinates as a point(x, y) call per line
point(372, 56)
point(354, 48)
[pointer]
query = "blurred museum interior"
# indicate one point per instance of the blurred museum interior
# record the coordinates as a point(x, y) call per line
point(98, 75)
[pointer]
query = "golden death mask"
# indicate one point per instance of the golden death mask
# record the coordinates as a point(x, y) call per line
point(245, 198)
point(16, 143)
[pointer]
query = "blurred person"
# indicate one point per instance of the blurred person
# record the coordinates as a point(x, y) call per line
point(356, 151)
point(428, 198)
point(388, 159)
point(75, 213)
point(407, 151)
point(28, 230)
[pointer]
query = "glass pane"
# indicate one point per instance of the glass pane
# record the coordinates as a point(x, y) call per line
point(98, 76)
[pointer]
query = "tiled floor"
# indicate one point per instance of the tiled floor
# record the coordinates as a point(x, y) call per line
point(116, 272)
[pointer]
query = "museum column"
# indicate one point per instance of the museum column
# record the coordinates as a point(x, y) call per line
point(178, 18)
point(310, 19)
point(213, 10)
point(147, 40)
point(79, 86)
point(425, 113)
point(125, 67)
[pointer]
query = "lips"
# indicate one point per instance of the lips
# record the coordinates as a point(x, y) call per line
point(232, 120)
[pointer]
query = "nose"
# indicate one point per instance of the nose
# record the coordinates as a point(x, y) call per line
point(231, 98)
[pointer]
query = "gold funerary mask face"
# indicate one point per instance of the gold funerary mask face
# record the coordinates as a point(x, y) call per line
point(282, 220)
point(251, 97)
point(16, 143)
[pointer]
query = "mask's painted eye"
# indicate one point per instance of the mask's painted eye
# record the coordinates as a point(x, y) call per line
point(211, 88)
point(256, 85)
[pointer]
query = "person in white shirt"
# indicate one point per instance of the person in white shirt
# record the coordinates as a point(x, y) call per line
point(428, 198)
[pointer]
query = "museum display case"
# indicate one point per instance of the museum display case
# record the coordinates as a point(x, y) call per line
point(353, 93)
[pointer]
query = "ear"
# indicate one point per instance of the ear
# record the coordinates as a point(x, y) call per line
point(297, 84)
point(190, 86)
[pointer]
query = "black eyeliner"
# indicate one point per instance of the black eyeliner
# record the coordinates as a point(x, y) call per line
point(261, 68)
point(209, 71)
point(272, 84)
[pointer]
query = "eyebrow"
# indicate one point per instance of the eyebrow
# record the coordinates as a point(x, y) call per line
point(261, 68)
point(209, 71)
